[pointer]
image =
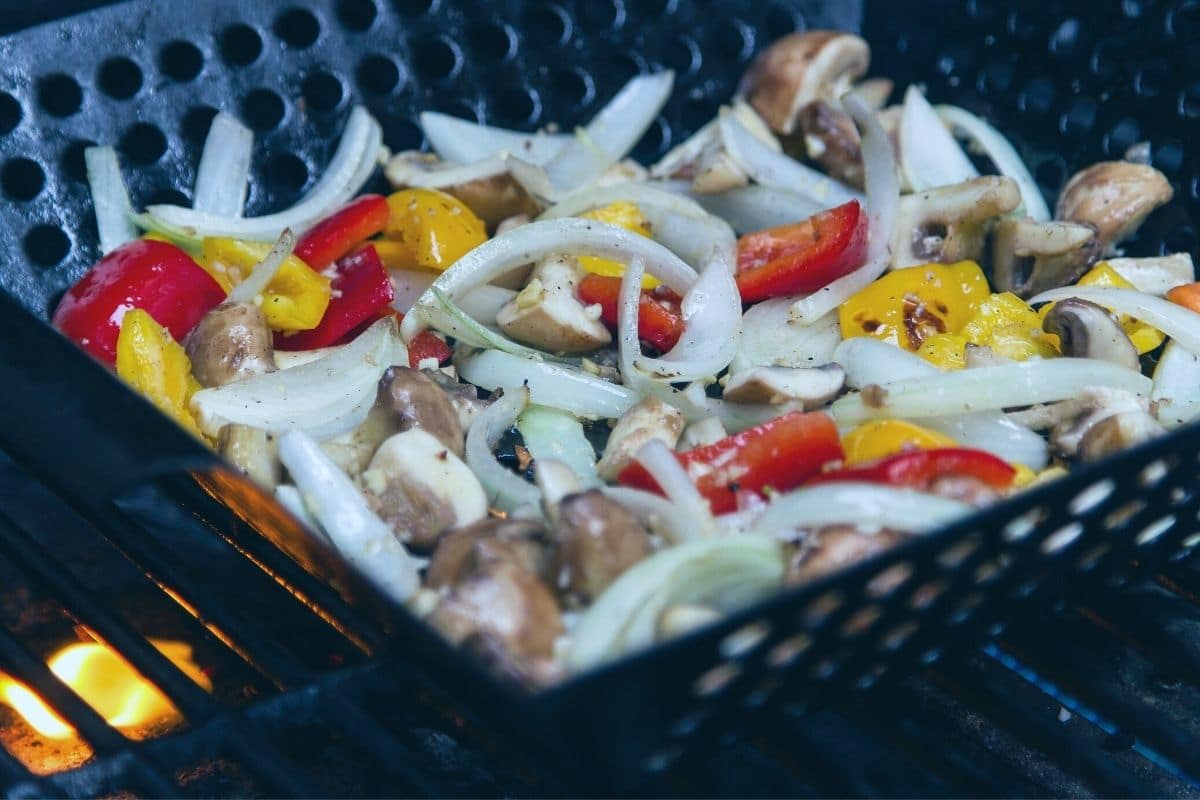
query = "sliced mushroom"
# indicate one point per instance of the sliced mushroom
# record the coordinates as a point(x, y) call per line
point(1157, 275)
point(715, 171)
point(1086, 330)
point(548, 313)
point(1030, 257)
point(463, 396)
point(801, 68)
point(1079, 415)
point(811, 386)
point(598, 539)
point(477, 547)
point(421, 489)
point(232, 342)
point(486, 187)
point(950, 223)
point(253, 451)
point(1114, 197)
point(419, 402)
point(506, 602)
point(352, 450)
point(650, 419)
point(836, 547)
point(831, 140)
point(1118, 432)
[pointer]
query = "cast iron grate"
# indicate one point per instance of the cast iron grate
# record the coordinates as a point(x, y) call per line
point(291, 72)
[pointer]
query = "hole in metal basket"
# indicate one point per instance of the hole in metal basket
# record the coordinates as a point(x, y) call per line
point(716, 679)
point(120, 78)
point(895, 637)
point(1080, 116)
point(744, 639)
point(357, 15)
point(288, 172)
point(731, 40)
point(547, 25)
point(931, 655)
point(1022, 526)
point(491, 41)
point(378, 74)
point(1192, 540)
point(403, 134)
point(1091, 497)
point(860, 621)
point(298, 28)
point(990, 569)
point(887, 581)
point(655, 142)
point(654, 8)
point(688, 724)
point(436, 59)
point(782, 20)
point(196, 123)
point(516, 106)
point(181, 61)
point(682, 54)
point(821, 607)
point(824, 669)
point(570, 87)
point(787, 651)
point(1155, 529)
point(1092, 558)
point(965, 608)
point(322, 92)
point(240, 45)
point(762, 694)
point(1123, 513)
point(954, 555)
point(414, 8)
point(1037, 97)
point(59, 95)
point(73, 164)
point(22, 179)
point(1061, 538)
point(46, 245)
point(263, 110)
point(661, 760)
point(602, 15)
point(143, 143)
point(168, 196)
point(10, 113)
point(923, 596)
point(1153, 473)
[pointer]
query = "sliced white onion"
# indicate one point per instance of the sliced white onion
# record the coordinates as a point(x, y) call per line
point(322, 398)
point(555, 385)
point(612, 132)
point(883, 198)
point(408, 285)
point(655, 512)
point(869, 361)
point(483, 303)
point(290, 498)
point(223, 176)
point(1023, 383)
point(1156, 275)
point(536, 241)
point(505, 490)
point(550, 433)
point(772, 168)
point(401, 171)
point(110, 199)
point(929, 155)
point(868, 506)
point(362, 538)
point(755, 208)
point(1179, 323)
point(660, 461)
point(451, 320)
point(771, 338)
point(724, 573)
point(465, 142)
point(264, 272)
point(1176, 393)
point(357, 156)
point(1001, 152)
point(639, 194)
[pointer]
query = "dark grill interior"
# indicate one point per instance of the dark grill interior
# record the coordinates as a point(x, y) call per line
point(315, 696)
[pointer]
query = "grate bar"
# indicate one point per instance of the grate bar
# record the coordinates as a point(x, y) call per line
point(1148, 621)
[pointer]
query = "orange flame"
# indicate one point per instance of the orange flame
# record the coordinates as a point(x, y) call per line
point(108, 684)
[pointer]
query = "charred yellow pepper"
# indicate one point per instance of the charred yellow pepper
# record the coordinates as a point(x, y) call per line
point(437, 228)
point(1144, 337)
point(295, 299)
point(625, 215)
point(156, 366)
point(1003, 322)
point(881, 438)
point(907, 306)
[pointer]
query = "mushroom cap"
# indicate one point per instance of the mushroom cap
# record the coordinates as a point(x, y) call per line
point(421, 403)
point(469, 549)
point(1086, 330)
point(1114, 197)
point(232, 342)
point(598, 539)
point(1118, 432)
point(950, 223)
point(801, 68)
point(835, 547)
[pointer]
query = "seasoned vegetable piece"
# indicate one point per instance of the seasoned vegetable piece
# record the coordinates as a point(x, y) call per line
point(339, 234)
point(295, 299)
point(362, 293)
point(232, 342)
point(625, 215)
point(157, 367)
point(436, 227)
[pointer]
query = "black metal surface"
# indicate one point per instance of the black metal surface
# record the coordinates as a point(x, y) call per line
point(963, 583)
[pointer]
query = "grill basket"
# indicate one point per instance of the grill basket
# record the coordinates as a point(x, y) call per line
point(1071, 82)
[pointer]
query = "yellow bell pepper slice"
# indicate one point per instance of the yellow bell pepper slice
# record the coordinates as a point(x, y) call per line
point(394, 255)
point(156, 366)
point(437, 228)
point(625, 215)
point(881, 438)
point(295, 299)
point(907, 306)
point(945, 350)
point(1144, 337)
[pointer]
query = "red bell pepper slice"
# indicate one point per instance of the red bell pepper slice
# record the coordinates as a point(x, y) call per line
point(428, 344)
point(338, 234)
point(362, 292)
point(660, 322)
point(804, 256)
point(781, 453)
point(918, 469)
point(156, 277)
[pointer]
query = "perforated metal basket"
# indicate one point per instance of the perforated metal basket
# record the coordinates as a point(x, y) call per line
point(1074, 83)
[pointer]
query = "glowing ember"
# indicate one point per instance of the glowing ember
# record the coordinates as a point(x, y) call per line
point(108, 684)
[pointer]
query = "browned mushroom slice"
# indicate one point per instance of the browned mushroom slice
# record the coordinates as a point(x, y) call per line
point(548, 313)
point(1114, 197)
point(1030, 257)
point(231, 343)
point(650, 419)
point(831, 140)
point(598, 539)
point(421, 403)
point(1118, 432)
point(950, 223)
point(472, 548)
point(829, 549)
point(801, 68)
point(487, 188)
point(812, 387)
